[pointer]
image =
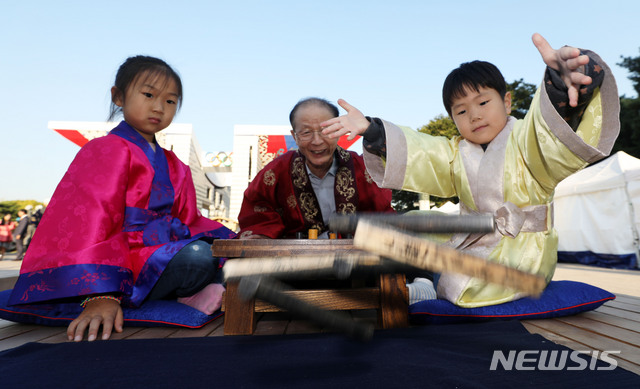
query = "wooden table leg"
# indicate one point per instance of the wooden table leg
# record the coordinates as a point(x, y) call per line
point(239, 316)
point(394, 301)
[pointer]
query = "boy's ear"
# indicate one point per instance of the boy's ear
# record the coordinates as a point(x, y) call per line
point(507, 103)
point(116, 96)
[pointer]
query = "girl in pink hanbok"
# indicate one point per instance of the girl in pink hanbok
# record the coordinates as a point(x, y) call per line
point(122, 226)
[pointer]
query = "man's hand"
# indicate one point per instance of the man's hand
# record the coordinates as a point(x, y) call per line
point(568, 62)
point(254, 236)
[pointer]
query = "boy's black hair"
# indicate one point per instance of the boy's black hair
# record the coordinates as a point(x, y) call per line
point(474, 75)
point(134, 67)
point(312, 101)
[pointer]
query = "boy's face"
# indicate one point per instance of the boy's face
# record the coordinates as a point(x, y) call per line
point(481, 115)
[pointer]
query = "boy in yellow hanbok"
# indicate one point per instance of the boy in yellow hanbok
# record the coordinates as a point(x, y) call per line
point(499, 165)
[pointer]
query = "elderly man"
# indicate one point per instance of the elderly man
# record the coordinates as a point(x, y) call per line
point(301, 189)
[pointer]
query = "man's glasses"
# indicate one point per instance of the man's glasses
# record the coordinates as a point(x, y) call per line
point(307, 135)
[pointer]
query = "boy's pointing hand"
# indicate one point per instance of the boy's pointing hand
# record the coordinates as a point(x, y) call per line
point(568, 62)
point(353, 123)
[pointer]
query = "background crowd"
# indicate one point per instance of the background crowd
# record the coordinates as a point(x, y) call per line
point(17, 230)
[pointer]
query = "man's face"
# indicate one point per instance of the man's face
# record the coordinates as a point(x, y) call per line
point(317, 149)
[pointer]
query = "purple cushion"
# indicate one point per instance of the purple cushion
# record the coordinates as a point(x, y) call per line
point(560, 298)
point(158, 313)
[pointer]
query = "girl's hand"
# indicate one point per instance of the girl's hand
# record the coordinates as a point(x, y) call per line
point(566, 60)
point(353, 123)
point(107, 313)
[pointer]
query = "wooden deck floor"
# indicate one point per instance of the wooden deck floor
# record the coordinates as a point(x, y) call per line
point(614, 327)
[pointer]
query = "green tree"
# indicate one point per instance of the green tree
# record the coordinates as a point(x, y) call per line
point(14, 206)
point(441, 125)
point(632, 64)
point(403, 201)
point(521, 97)
point(629, 138)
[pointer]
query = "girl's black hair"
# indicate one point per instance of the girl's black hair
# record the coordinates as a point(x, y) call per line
point(474, 75)
point(137, 66)
point(312, 101)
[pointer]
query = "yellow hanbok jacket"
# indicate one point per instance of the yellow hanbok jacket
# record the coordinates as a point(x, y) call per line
point(514, 179)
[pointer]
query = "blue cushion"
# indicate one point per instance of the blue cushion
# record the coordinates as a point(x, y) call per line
point(158, 313)
point(560, 298)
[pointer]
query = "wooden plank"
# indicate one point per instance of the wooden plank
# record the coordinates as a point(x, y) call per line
point(559, 339)
point(302, 327)
point(370, 315)
point(60, 337)
point(239, 317)
point(591, 339)
point(34, 335)
point(272, 291)
point(16, 329)
point(531, 326)
point(420, 223)
point(613, 320)
point(621, 334)
point(219, 331)
point(629, 300)
point(6, 323)
point(127, 331)
point(203, 331)
point(317, 266)
point(8, 282)
point(424, 254)
point(629, 315)
point(272, 324)
point(394, 301)
point(623, 305)
point(153, 333)
point(244, 248)
point(330, 299)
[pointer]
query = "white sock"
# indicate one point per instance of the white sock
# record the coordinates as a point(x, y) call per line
point(421, 289)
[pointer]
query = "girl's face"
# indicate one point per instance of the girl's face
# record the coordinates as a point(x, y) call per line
point(149, 104)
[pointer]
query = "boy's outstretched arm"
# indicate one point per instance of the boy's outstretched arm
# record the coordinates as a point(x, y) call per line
point(354, 123)
point(568, 62)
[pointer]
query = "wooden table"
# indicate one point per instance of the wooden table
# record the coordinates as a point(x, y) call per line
point(389, 297)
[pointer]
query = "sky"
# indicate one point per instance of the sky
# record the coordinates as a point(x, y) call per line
point(249, 62)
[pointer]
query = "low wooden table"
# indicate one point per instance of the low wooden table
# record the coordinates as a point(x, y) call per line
point(389, 297)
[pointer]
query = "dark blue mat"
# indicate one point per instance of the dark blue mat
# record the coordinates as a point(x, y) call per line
point(454, 355)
